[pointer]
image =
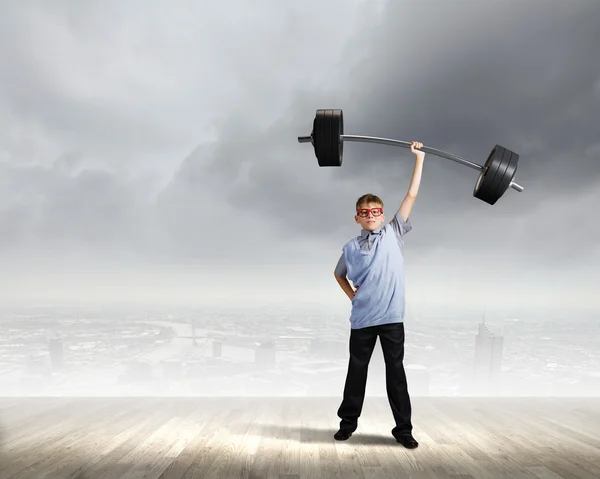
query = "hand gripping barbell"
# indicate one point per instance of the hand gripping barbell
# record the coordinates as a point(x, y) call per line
point(495, 176)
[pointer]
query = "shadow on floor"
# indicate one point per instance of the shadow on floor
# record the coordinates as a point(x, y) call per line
point(316, 435)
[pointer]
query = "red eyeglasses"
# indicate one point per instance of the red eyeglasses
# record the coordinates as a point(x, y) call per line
point(364, 212)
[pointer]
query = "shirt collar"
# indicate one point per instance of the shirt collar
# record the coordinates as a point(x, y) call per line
point(364, 233)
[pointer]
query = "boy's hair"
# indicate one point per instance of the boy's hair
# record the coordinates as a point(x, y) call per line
point(368, 198)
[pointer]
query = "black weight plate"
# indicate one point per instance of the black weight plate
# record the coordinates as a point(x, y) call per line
point(318, 136)
point(482, 184)
point(328, 126)
point(502, 177)
point(337, 129)
point(321, 139)
point(496, 166)
point(328, 133)
point(312, 138)
point(490, 176)
point(341, 132)
point(501, 171)
point(507, 177)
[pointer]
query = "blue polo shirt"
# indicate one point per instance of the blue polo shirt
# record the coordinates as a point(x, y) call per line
point(375, 262)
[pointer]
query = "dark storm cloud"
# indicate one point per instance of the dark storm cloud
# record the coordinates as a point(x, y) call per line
point(527, 82)
point(461, 77)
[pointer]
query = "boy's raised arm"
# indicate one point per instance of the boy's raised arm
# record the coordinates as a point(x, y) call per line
point(415, 181)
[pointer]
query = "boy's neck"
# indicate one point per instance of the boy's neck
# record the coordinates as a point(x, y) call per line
point(365, 232)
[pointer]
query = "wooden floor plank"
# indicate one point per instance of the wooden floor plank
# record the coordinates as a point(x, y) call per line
point(108, 442)
point(36, 442)
point(181, 438)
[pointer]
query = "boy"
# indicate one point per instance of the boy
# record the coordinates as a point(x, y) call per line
point(374, 263)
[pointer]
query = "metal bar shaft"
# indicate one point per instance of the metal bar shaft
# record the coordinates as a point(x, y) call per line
point(515, 186)
point(406, 144)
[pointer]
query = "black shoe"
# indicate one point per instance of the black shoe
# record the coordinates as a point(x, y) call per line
point(342, 434)
point(407, 440)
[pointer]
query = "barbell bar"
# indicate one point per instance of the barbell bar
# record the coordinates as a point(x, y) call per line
point(495, 177)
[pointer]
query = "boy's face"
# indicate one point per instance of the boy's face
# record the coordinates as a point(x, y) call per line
point(370, 216)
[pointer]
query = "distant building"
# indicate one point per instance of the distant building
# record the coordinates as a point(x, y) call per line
point(487, 360)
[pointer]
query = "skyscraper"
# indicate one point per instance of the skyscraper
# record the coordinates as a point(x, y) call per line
point(488, 359)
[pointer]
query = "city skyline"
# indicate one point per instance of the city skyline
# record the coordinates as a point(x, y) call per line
point(100, 352)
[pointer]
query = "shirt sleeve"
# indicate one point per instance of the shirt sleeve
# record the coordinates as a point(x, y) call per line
point(400, 226)
point(340, 269)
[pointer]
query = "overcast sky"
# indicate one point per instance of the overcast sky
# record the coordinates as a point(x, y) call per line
point(150, 151)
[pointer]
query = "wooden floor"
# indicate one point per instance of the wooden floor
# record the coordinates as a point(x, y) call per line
point(179, 438)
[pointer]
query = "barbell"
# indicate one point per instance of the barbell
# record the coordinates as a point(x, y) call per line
point(495, 177)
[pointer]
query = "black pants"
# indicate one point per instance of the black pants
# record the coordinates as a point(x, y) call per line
point(362, 343)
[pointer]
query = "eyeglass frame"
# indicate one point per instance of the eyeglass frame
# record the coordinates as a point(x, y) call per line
point(369, 210)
